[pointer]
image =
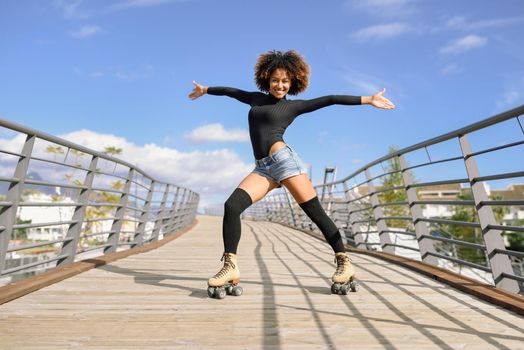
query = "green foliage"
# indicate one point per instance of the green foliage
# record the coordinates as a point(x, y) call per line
point(467, 213)
point(112, 150)
point(516, 240)
point(20, 233)
point(391, 180)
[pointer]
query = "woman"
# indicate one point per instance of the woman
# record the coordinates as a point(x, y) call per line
point(278, 74)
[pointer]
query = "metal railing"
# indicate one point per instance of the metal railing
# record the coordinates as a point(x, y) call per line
point(383, 206)
point(62, 202)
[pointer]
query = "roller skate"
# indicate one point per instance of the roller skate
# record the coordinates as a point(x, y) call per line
point(344, 276)
point(225, 282)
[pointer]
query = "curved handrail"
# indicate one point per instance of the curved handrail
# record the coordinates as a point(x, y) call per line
point(141, 209)
point(391, 216)
point(512, 113)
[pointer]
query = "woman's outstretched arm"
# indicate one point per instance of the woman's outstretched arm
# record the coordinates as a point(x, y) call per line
point(240, 95)
point(377, 100)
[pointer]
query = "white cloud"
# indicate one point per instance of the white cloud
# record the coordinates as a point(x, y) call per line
point(510, 97)
point(76, 9)
point(459, 22)
point(464, 44)
point(362, 83)
point(97, 74)
point(385, 8)
point(450, 69)
point(130, 75)
point(512, 92)
point(216, 133)
point(213, 174)
point(86, 31)
point(125, 75)
point(381, 31)
point(139, 3)
point(71, 9)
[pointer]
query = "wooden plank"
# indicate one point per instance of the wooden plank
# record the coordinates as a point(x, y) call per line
point(158, 300)
point(497, 296)
point(30, 284)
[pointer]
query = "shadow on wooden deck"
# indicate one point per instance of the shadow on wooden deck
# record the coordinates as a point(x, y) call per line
point(158, 300)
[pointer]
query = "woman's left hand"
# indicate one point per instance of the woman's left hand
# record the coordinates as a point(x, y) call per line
point(380, 101)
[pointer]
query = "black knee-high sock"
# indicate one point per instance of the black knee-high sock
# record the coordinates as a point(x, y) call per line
point(234, 206)
point(316, 213)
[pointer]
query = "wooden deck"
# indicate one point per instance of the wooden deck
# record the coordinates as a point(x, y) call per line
point(158, 300)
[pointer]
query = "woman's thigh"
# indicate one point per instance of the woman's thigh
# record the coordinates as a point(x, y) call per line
point(257, 186)
point(300, 187)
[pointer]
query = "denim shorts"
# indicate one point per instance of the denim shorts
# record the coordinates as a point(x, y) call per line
point(281, 165)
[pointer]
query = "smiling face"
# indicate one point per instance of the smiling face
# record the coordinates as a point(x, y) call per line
point(279, 83)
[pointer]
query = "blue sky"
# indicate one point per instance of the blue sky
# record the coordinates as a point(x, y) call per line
point(119, 72)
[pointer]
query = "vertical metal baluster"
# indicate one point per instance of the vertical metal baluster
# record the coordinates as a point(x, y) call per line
point(193, 207)
point(173, 214)
point(190, 203)
point(160, 215)
point(378, 213)
point(14, 194)
point(74, 231)
point(421, 228)
point(189, 200)
point(139, 236)
point(178, 212)
point(350, 207)
point(170, 219)
point(283, 213)
point(500, 263)
point(270, 208)
point(291, 208)
point(116, 227)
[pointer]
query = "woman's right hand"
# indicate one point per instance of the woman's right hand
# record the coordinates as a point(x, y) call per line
point(198, 91)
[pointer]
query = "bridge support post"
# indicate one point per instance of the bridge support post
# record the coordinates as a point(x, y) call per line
point(13, 197)
point(355, 229)
point(421, 228)
point(116, 227)
point(75, 229)
point(139, 236)
point(175, 212)
point(291, 209)
point(160, 215)
point(500, 263)
point(378, 213)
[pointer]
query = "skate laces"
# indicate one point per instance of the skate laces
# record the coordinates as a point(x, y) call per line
point(228, 265)
point(341, 261)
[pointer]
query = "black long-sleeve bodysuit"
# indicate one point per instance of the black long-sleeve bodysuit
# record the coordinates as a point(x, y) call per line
point(269, 116)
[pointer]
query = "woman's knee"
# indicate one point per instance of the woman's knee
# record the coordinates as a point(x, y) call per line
point(237, 202)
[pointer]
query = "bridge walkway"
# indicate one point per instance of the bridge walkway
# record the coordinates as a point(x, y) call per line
point(158, 300)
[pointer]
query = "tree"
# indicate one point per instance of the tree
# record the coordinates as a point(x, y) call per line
point(20, 233)
point(55, 150)
point(77, 154)
point(516, 239)
point(392, 180)
point(113, 151)
point(467, 213)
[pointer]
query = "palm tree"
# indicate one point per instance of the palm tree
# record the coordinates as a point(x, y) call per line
point(113, 151)
point(55, 150)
